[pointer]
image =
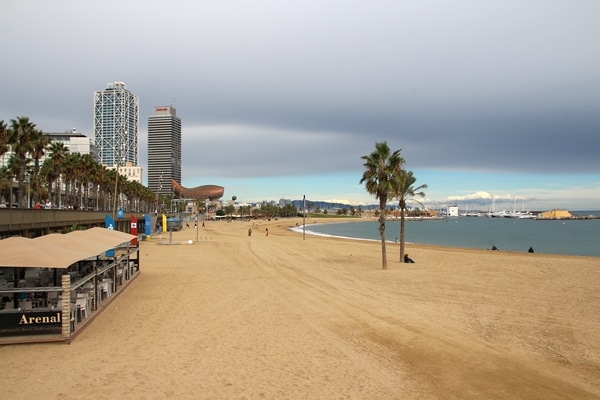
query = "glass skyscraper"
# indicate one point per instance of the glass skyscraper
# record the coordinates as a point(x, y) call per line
point(164, 150)
point(116, 123)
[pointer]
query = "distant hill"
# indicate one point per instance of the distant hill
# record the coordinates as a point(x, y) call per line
point(324, 205)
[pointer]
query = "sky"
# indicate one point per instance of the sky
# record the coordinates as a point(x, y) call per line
point(490, 102)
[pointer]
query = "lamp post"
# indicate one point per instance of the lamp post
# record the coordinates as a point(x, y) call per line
point(115, 195)
point(304, 217)
point(28, 192)
point(158, 193)
point(117, 175)
point(59, 192)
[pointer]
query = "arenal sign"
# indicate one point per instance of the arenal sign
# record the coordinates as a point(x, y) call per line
point(30, 322)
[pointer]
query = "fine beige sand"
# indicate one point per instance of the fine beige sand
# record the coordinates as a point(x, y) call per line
point(282, 317)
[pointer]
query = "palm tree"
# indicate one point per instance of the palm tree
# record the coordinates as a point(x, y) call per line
point(12, 167)
point(5, 177)
point(39, 145)
point(381, 168)
point(107, 187)
point(20, 136)
point(91, 178)
point(69, 174)
point(57, 154)
point(5, 183)
point(84, 168)
point(3, 137)
point(404, 191)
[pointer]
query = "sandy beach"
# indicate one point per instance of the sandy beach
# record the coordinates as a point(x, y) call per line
point(234, 316)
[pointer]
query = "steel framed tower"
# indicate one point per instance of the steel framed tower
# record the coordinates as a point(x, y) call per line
point(164, 150)
point(116, 124)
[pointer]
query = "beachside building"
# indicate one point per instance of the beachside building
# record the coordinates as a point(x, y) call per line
point(74, 141)
point(164, 150)
point(131, 172)
point(116, 125)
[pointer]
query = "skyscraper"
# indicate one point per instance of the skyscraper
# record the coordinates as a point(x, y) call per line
point(116, 123)
point(164, 150)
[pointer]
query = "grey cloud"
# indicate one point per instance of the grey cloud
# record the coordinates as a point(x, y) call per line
point(503, 86)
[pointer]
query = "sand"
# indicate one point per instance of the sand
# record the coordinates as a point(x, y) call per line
point(282, 317)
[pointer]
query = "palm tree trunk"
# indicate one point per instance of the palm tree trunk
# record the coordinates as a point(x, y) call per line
point(21, 191)
point(382, 202)
point(402, 237)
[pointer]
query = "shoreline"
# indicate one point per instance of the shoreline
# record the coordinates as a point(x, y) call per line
point(325, 221)
point(238, 316)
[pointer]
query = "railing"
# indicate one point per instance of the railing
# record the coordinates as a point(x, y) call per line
point(14, 221)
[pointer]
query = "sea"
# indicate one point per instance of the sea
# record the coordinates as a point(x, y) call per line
point(579, 237)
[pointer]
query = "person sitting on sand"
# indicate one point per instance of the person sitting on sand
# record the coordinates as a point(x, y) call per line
point(408, 260)
point(530, 249)
point(494, 247)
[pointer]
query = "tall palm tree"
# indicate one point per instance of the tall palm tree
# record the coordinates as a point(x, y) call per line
point(39, 145)
point(5, 183)
point(21, 133)
point(85, 171)
point(12, 166)
point(3, 138)
point(5, 178)
point(69, 173)
point(48, 176)
point(57, 154)
point(95, 175)
point(381, 168)
point(403, 191)
point(106, 184)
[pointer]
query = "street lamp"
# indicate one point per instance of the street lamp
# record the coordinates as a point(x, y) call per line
point(117, 174)
point(28, 191)
point(158, 193)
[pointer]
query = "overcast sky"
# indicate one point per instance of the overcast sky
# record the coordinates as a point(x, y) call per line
point(280, 99)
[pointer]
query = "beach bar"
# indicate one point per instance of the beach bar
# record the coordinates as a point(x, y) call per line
point(53, 285)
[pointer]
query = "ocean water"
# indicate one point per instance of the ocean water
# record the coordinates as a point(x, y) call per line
point(569, 237)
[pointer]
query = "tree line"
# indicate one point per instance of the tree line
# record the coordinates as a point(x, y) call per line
point(87, 183)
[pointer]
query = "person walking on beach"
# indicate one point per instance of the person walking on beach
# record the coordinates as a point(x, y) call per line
point(267, 232)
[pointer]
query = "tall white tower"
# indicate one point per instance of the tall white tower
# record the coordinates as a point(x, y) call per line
point(116, 124)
